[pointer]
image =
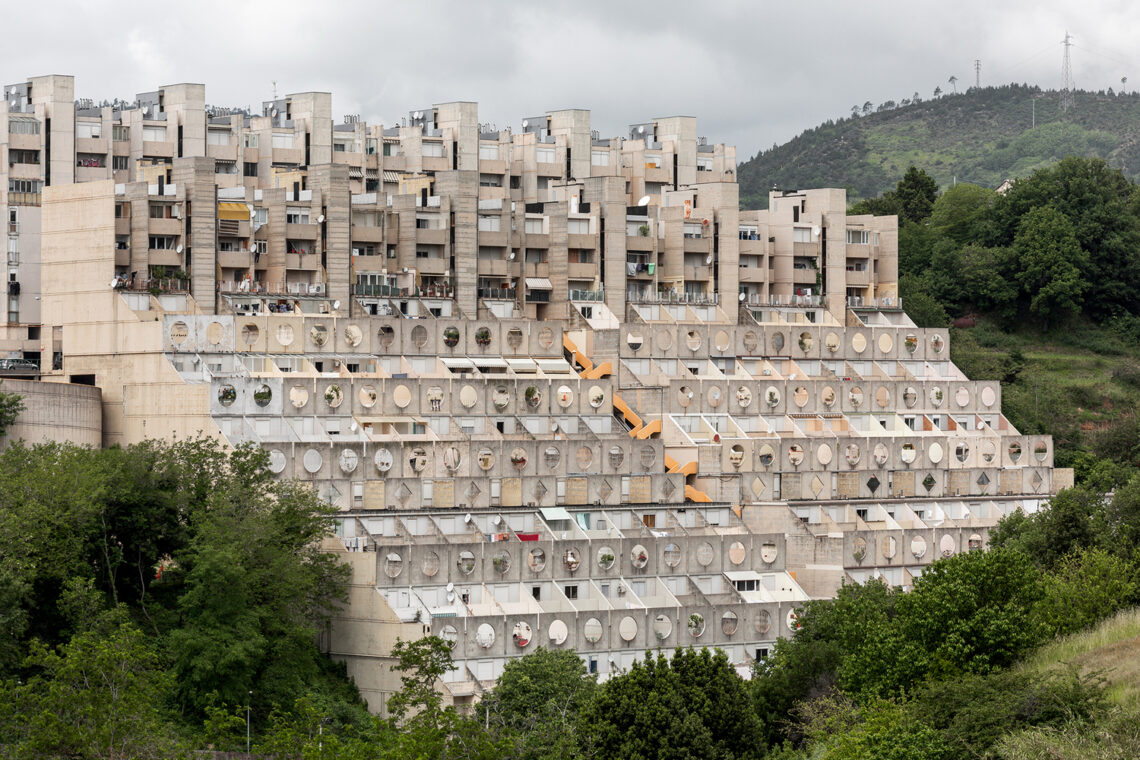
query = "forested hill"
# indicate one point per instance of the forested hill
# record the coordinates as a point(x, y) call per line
point(982, 136)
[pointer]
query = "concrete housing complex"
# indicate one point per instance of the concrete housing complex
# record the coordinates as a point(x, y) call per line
point(564, 391)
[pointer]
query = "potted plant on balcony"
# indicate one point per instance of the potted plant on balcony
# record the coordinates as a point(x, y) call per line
point(483, 336)
point(533, 396)
point(643, 230)
point(450, 336)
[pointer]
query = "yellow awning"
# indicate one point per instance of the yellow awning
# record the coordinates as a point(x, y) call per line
point(237, 212)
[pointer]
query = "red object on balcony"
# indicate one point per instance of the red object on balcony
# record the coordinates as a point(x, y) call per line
point(527, 536)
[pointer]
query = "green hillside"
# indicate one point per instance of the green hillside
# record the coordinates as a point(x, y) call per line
point(982, 136)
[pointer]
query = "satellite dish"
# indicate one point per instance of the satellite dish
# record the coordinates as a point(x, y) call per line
point(112, 283)
point(741, 298)
point(815, 230)
point(273, 113)
point(336, 304)
point(352, 427)
point(450, 596)
point(320, 218)
point(467, 517)
point(690, 394)
point(708, 259)
point(641, 130)
point(512, 256)
point(644, 201)
point(450, 586)
point(178, 250)
point(496, 519)
point(525, 123)
point(554, 427)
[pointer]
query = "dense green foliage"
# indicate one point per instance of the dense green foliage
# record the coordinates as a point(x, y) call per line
point(145, 588)
point(982, 136)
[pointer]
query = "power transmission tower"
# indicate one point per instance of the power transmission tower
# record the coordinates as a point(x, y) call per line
point(1067, 74)
point(977, 72)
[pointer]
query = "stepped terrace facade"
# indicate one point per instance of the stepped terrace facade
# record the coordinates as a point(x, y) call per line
point(562, 390)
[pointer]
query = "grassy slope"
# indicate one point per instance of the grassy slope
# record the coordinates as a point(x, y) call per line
point(983, 136)
point(1112, 649)
point(1073, 383)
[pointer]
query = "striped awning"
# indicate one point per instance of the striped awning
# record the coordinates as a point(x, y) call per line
point(393, 177)
point(538, 283)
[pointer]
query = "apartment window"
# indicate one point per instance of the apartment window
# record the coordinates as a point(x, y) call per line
point(370, 146)
point(488, 151)
point(533, 227)
point(283, 140)
point(260, 215)
point(428, 492)
point(704, 164)
point(692, 230)
point(218, 137)
point(936, 421)
point(154, 134)
point(580, 256)
point(535, 256)
point(13, 246)
point(652, 160)
point(600, 158)
point(570, 591)
point(88, 129)
point(801, 234)
point(297, 246)
point(251, 141)
point(364, 249)
point(432, 150)
point(122, 242)
point(25, 191)
point(578, 226)
point(17, 156)
point(858, 237)
point(544, 155)
point(13, 309)
point(339, 147)
point(120, 134)
point(297, 215)
point(762, 653)
point(120, 163)
point(649, 520)
point(391, 149)
point(162, 243)
point(23, 127)
point(249, 169)
point(161, 211)
point(225, 167)
point(227, 246)
point(861, 514)
point(358, 494)
point(489, 223)
point(919, 513)
point(490, 180)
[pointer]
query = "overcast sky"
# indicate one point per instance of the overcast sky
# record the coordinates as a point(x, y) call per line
point(754, 73)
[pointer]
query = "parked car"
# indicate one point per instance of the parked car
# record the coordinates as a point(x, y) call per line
point(18, 365)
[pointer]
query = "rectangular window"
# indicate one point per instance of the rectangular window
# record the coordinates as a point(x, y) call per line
point(122, 242)
point(370, 146)
point(570, 591)
point(600, 158)
point(649, 520)
point(432, 150)
point(283, 140)
point(692, 230)
point(489, 223)
point(120, 133)
point(364, 249)
point(87, 130)
point(704, 164)
point(580, 256)
point(296, 215)
point(260, 215)
point(801, 234)
point(858, 237)
point(489, 151)
point(652, 160)
point(339, 147)
point(578, 226)
point(544, 155)
point(120, 163)
point(533, 227)
point(391, 149)
point(162, 243)
point(251, 140)
point(218, 137)
point(154, 134)
point(23, 127)
point(225, 167)
point(161, 211)
point(18, 156)
point(260, 246)
point(249, 169)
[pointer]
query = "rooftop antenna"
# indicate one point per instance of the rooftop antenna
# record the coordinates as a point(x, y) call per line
point(977, 72)
point(1067, 74)
point(275, 89)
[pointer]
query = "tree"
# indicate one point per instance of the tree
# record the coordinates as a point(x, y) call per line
point(867, 108)
point(11, 404)
point(1084, 588)
point(538, 698)
point(923, 309)
point(888, 733)
point(694, 705)
point(937, 92)
point(961, 213)
point(1051, 261)
point(101, 695)
point(916, 192)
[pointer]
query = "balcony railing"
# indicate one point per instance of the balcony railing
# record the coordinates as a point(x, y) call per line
point(498, 294)
point(889, 303)
point(671, 296)
point(595, 296)
point(783, 301)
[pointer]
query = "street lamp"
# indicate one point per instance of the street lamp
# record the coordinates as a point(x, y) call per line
point(247, 701)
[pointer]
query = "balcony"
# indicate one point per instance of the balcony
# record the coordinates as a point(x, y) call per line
point(362, 234)
point(698, 245)
point(301, 231)
point(235, 259)
point(537, 241)
point(123, 226)
point(164, 257)
point(90, 145)
point(163, 149)
point(499, 294)
point(494, 267)
point(858, 277)
point(431, 266)
point(165, 226)
point(753, 274)
point(431, 237)
point(494, 238)
point(695, 274)
point(589, 242)
point(639, 243)
point(537, 269)
point(580, 271)
point(305, 261)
